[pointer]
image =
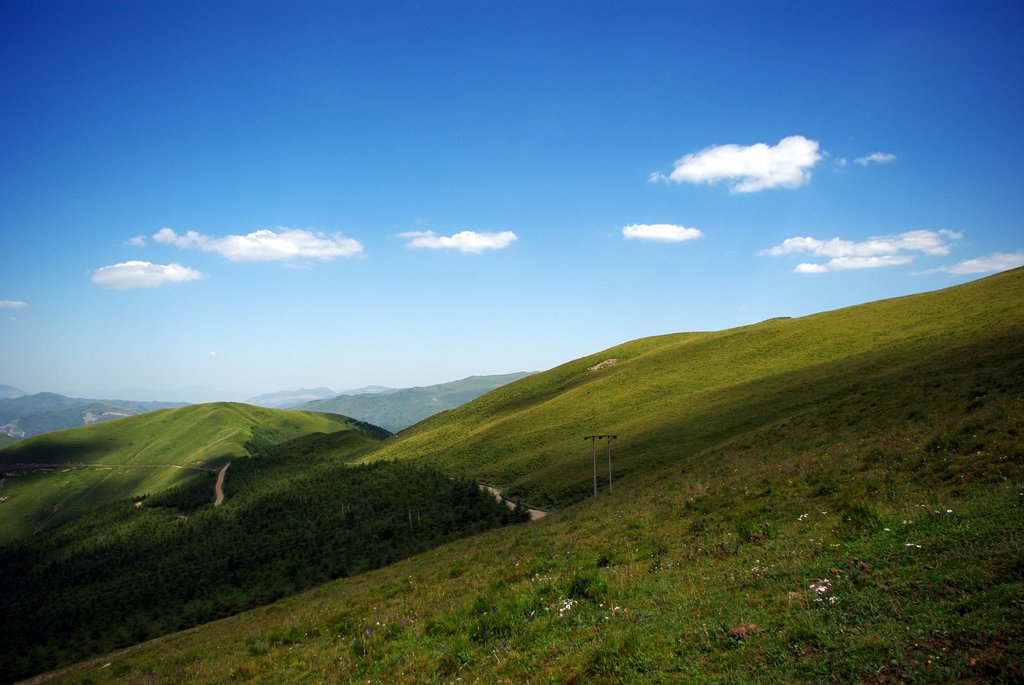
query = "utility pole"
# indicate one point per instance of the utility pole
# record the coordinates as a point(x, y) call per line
point(593, 441)
point(610, 463)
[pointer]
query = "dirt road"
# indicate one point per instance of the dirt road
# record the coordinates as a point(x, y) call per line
point(534, 513)
point(218, 488)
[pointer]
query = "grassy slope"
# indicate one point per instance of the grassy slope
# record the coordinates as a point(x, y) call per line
point(876, 448)
point(135, 456)
point(675, 395)
point(403, 408)
point(295, 516)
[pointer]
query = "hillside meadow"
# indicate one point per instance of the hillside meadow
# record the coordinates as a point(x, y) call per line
point(137, 569)
point(64, 474)
point(837, 498)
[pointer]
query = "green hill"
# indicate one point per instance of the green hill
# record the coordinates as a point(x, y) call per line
point(55, 477)
point(399, 409)
point(833, 498)
point(294, 515)
point(28, 415)
point(672, 396)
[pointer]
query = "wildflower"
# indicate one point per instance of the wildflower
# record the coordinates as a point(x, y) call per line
point(494, 608)
point(822, 589)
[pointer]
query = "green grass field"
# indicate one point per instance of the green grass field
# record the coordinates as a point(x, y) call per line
point(99, 464)
point(672, 396)
point(838, 498)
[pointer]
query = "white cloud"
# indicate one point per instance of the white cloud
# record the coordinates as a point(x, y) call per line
point(137, 241)
point(464, 241)
point(868, 254)
point(998, 261)
point(135, 274)
point(875, 158)
point(662, 233)
point(266, 245)
point(751, 168)
point(12, 304)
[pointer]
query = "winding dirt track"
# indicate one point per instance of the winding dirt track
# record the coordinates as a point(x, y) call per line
point(218, 488)
point(534, 513)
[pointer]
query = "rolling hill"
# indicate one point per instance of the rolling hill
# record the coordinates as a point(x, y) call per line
point(838, 497)
point(676, 395)
point(27, 415)
point(396, 410)
point(63, 474)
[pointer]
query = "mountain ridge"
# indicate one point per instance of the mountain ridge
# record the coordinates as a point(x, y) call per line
point(396, 410)
point(27, 415)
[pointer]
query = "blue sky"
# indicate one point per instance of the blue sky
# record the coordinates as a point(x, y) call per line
point(253, 196)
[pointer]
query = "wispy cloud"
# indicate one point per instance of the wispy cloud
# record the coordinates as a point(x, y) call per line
point(875, 158)
point(662, 233)
point(463, 241)
point(998, 261)
point(12, 304)
point(266, 245)
point(135, 274)
point(137, 241)
point(868, 254)
point(751, 168)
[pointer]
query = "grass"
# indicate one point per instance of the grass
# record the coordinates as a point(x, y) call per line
point(99, 464)
point(835, 498)
point(675, 395)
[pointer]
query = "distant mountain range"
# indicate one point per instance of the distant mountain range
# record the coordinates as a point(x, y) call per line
point(285, 399)
point(397, 409)
point(23, 416)
point(291, 399)
point(7, 392)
